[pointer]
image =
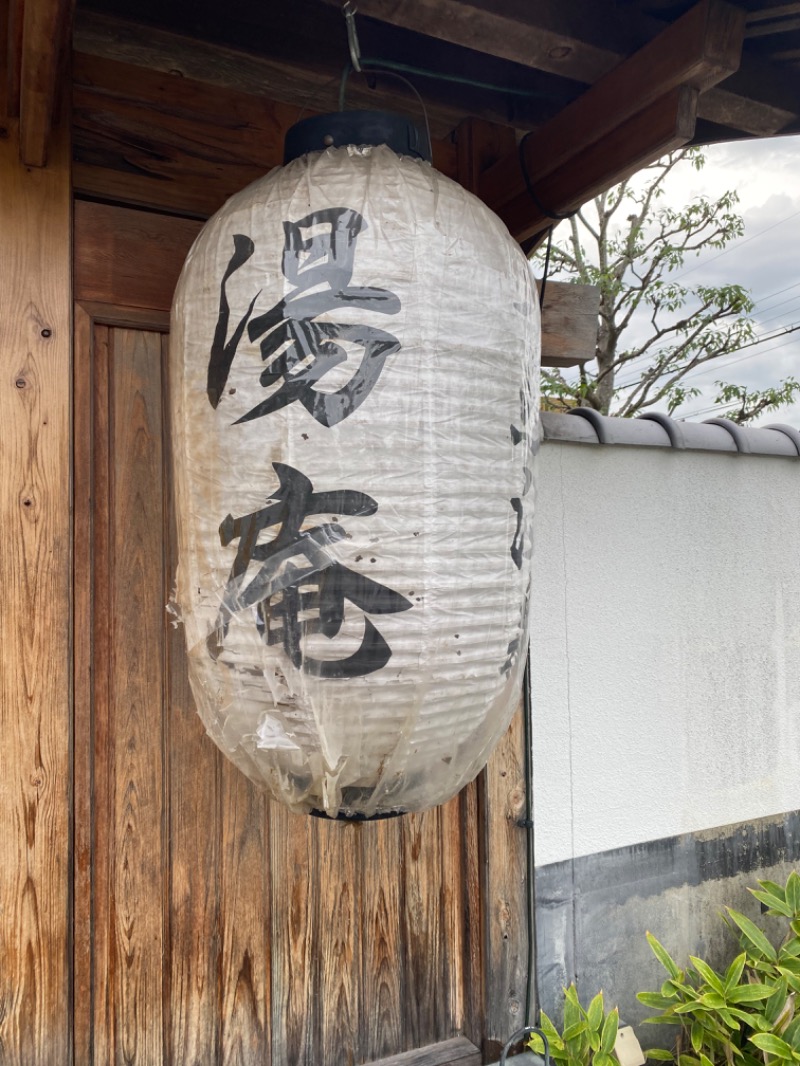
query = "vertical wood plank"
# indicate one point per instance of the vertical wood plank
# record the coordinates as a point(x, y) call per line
point(35, 770)
point(506, 907)
point(338, 901)
point(136, 604)
point(193, 776)
point(294, 936)
point(83, 802)
point(99, 738)
point(245, 935)
point(472, 870)
point(452, 916)
point(425, 1008)
point(382, 974)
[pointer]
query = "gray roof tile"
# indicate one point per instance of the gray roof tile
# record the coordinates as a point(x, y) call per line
point(585, 426)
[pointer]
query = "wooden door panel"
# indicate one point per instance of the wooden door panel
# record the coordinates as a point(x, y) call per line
point(212, 926)
point(128, 720)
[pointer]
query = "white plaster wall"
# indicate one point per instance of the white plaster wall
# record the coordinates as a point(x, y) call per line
point(666, 644)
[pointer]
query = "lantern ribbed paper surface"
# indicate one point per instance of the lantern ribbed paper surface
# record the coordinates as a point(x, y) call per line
point(354, 353)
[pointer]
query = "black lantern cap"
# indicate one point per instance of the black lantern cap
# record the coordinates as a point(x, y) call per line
point(342, 128)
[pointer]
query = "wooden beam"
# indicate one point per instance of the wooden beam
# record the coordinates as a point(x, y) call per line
point(309, 89)
point(163, 141)
point(662, 127)
point(581, 41)
point(700, 48)
point(13, 50)
point(35, 713)
point(569, 323)
point(46, 28)
point(544, 35)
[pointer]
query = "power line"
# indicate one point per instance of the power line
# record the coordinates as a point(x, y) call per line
point(737, 245)
point(750, 344)
point(788, 300)
point(757, 299)
point(750, 355)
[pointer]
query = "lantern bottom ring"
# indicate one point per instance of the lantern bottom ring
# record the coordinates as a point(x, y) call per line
point(355, 817)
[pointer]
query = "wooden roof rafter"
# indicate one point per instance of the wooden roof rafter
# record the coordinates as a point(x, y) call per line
point(38, 36)
point(644, 107)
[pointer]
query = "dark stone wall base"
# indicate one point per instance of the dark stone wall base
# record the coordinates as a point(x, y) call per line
point(592, 912)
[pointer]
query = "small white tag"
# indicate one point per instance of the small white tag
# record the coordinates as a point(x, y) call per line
point(627, 1048)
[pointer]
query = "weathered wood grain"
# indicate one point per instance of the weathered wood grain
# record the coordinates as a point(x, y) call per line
point(119, 250)
point(473, 865)
point(338, 918)
point(35, 770)
point(98, 739)
point(245, 972)
point(382, 959)
point(83, 730)
point(293, 871)
point(160, 140)
point(569, 323)
point(193, 775)
point(309, 87)
point(455, 1052)
point(452, 912)
point(426, 964)
point(136, 604)
point(507, 961)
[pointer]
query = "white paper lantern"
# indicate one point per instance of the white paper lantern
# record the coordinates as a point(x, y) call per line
point(353, 369)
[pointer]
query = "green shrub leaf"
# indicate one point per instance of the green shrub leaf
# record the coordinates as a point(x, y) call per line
point(659, 1054)
point(653, 999)
point(750, 993)
point(779, 906)
point(734, 972)
point(696, 1036)
point(574, 1030)
point(594, 1015)
point(792, 1034)
point(708, 975)
point(662, 955)
point(609, 1035)
point(773, 1045)
point(754, 935)
point(793, 891)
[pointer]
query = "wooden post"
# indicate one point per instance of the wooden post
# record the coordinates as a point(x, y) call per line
point(35, 784)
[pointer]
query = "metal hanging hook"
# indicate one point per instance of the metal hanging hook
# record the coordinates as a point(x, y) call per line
point(349, 10)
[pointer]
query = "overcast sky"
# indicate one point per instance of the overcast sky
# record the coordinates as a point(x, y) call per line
point(766, 175)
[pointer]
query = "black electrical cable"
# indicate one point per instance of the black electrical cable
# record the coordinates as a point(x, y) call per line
point(547, 252)
point(532, 981)
point(529, 185)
